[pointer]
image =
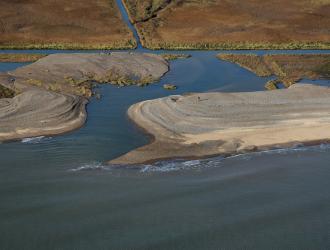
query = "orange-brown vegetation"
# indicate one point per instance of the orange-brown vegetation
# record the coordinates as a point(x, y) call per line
point(62, 24)
point(20, 58)
point(232, 24)
point(288, 68)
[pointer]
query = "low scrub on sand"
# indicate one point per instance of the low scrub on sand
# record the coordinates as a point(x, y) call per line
point(171, 57)
point(77, 73)
point(6, 92)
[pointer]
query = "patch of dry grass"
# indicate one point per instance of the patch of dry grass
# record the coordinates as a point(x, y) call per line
point(289, 69)
point(20, 58)
point(61, 24)
point(218, 24)
point(171, 57)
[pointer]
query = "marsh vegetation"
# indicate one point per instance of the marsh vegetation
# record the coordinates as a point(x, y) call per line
point(288, 69)
point(216, 24)
point(20, 58)
point(37, 24)
point(171, 57)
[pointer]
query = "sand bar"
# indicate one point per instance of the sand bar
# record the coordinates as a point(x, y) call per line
point(51, 93)
point(207, 124)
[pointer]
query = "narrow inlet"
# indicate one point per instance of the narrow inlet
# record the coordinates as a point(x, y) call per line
point(125, 17)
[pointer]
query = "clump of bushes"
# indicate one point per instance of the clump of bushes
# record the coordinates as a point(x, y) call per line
point(170, 86)
point(6, 92)
point(171, 57)
point(35, 82)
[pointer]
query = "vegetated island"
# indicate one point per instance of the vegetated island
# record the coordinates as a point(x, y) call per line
point(223, 24)
point(62, 24)
point(288, 69)
point(48, 97)
point(208, 124)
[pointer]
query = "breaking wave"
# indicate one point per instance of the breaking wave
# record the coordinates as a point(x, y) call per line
point(179, 165)
point(90, 167)
point(169, 166)
point(34, 140)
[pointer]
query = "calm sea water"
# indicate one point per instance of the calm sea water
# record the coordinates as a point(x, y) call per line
point(55, 193)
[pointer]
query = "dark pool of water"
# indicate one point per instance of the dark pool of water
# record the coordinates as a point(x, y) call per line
point(56, 193)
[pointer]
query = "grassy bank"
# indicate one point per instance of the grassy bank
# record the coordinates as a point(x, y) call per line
point(20, 58)
point(131, 44)
point(237, 46)
point(288, 69)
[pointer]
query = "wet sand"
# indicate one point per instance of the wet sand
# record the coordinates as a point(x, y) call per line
point(206, 124)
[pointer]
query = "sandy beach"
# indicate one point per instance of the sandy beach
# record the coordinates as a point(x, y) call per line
point(51, 94)
point(206, 124)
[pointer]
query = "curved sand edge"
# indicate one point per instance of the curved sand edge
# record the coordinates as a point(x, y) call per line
point(52, 91)
point(40, 113)
point(207, 124)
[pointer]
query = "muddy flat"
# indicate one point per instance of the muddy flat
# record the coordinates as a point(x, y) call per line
point(233, 24)
point(63, 24)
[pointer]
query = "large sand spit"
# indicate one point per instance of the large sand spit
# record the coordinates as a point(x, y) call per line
point(206, 124)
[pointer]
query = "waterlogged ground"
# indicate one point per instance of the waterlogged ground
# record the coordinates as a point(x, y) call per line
point(56, 193)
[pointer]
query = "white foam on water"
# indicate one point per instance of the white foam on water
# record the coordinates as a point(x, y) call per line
point(180, 165)
point(170, 166)
point(34, 140)
point(90, 167)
